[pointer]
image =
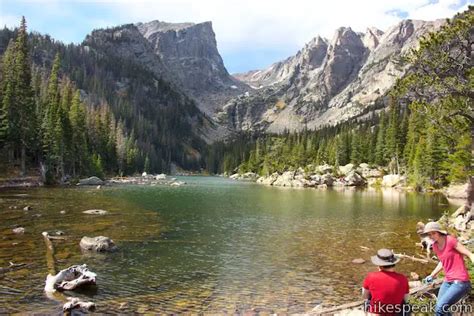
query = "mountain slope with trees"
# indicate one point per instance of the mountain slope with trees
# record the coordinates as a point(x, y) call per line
point(75, 111)
point(426, 131)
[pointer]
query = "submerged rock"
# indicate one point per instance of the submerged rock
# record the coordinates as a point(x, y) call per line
point(177, 183)
point(95, 212)
point(358, 261)
point(27, 208)
point(98, 244)
point(19, 230)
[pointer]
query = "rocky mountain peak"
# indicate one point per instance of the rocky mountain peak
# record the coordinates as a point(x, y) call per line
point(344, 58)
point(313, 53)
point(190, 51)
point(372, 37)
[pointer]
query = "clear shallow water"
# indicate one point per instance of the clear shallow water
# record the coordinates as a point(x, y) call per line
point(211, 246)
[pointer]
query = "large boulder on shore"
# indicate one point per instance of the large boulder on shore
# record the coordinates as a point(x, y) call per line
point(344, 170)
point(323, 169)
point(391, 180)
point(270, 179)
point(235, 176)
point(354, 179)
point(249, 176)
point(327, 179)
point(161, 176)
point(91, 181)
point(365, 171)
point(457, 191)
point(285, 180)
point(98, 244)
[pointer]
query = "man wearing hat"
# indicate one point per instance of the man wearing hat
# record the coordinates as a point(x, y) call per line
point(387, 289)
point(450, 253)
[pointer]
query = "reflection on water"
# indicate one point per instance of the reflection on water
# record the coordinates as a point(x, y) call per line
point(213, 245)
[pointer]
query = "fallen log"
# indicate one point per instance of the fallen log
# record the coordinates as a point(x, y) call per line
point(70, 279)
point(402, 255)
point(50, 262)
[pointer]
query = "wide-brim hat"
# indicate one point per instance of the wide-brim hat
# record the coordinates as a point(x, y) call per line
point(434, 227)
point(384, 258)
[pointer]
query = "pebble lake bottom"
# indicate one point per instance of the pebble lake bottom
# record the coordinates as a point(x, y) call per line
point(211, 246)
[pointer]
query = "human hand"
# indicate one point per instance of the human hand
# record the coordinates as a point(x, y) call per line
point(428, 279)
point(471, 256)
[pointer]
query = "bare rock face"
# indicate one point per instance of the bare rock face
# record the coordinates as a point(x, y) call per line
point(189, 51)
point(327, 82)
point(98, 244)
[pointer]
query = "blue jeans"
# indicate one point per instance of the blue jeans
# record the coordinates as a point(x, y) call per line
point(449, 294)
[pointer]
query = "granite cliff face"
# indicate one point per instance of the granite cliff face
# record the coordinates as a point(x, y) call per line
point(190, 52)
point(183, 53)
point(327, 81)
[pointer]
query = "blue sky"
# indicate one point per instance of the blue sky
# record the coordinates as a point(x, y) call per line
point(250, 34)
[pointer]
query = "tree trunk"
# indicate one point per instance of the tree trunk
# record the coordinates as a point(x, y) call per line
point(23, 160)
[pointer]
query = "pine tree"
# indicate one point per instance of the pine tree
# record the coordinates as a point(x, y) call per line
point(24, 94)
point(8, 99)
point(77, 118)
point(380, 144)
point(392, 137)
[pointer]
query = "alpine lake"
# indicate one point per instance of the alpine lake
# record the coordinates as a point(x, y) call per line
point(213, 245)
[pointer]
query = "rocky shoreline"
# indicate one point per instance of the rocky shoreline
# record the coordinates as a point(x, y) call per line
point(144, 179)
point(350, 175)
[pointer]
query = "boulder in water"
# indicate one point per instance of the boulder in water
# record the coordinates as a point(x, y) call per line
point(19, 230)
point(98, 244)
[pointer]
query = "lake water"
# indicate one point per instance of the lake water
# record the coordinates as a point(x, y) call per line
point(211, 246)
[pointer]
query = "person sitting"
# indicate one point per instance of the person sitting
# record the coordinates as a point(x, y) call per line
point(450, 252)
point(386, 289)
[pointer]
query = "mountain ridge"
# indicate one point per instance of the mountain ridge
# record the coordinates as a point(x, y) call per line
point(355, 73)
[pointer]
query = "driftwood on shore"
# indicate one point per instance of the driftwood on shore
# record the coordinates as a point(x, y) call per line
point(404, 256)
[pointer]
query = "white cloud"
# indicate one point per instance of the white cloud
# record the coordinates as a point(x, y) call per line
point(281, 22)
point(258, 25)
